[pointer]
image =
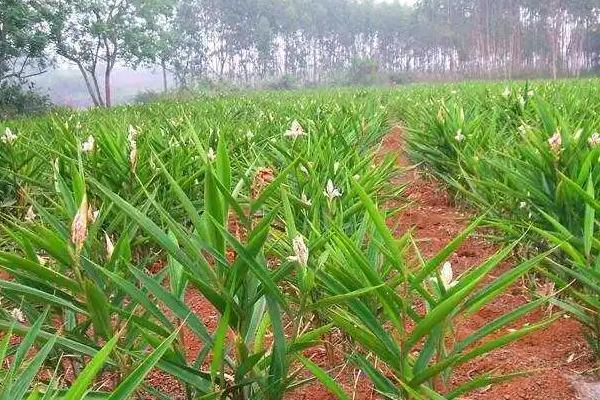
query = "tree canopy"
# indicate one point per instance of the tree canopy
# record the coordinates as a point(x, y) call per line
point(249, 40)
point(24, 35)
point(308, 41)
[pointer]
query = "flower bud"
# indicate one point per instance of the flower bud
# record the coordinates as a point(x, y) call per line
point(79, 225)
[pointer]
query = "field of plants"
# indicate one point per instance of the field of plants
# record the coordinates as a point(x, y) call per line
point(528, 156)
point(280, 211)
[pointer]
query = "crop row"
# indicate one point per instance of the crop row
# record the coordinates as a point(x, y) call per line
point(528, 156)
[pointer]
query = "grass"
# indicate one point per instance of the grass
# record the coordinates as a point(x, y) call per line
point(272, 207)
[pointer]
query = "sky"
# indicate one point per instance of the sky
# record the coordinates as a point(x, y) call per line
point(407, 2)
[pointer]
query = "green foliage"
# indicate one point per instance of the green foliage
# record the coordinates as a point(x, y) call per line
point(272, 209)
point(16, 100)
point(362, 72)
point(286, 82)
point(528, 153)
point(94, 34)
point(23, 41)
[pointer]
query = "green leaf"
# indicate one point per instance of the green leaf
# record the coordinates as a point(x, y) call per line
point(270, 190)
point(98, 307)
point(23, 382)
point(278, 367)
point(130, 384)
point(86, 377)
point(589, 220)
point(220, 343)
point(333, 300)
point(324, 378)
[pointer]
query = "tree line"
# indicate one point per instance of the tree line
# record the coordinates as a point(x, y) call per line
point(309, 41)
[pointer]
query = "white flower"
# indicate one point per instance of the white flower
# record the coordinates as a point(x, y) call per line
point(30, 215)
point(356, 177)
point(305, 199)
point(530, 93)
point(459, 136)
point(132, 135)
point(506, 92)
point(447, 276)
point(132, 139)
point(211, 155)
point(331, 192)
point(303, 169)
point(88, 145)
point(300, 251)
point(79, 228)
point(8, 136)
point(110, 247)
point(17, 314)
point(94, 216)
point(295, 131)
point(522, 205)
point(555, 142)
point(594, 140)
point(336, 166)
point(133, 158)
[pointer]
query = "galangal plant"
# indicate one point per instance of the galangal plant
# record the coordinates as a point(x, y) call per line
point(401, 314)
point(99, 288)
point(536, 170)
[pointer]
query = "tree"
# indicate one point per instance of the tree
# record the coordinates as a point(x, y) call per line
point(24, 36)
point(97, 34)
point(312, 41)
point(186, 43)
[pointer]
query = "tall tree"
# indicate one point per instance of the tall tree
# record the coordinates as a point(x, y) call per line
point(24, 36)
point(313, 40)
point(97, 34)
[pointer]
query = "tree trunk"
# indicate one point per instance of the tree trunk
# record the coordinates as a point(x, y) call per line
point(88, 85)
point(96, 88)
point(164, 75)
point(107, 85)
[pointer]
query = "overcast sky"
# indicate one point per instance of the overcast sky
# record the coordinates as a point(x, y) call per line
point(407, 2)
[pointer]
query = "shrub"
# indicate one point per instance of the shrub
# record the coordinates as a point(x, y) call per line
point(16, 100)
point(285, 82)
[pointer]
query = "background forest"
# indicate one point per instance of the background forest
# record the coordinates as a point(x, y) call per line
point(284, 43)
